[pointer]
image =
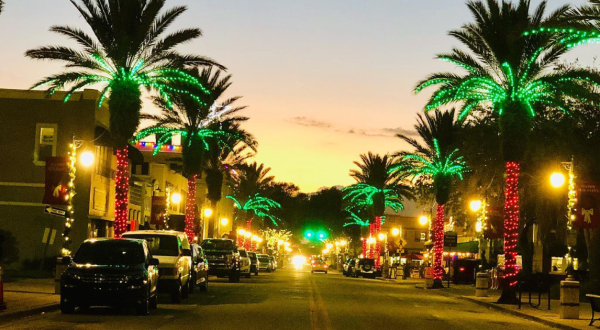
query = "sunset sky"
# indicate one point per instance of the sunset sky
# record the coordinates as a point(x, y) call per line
point(324, 80)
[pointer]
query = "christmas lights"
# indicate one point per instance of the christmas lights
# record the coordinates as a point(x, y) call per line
point(259, 206)
point(356, 220)
point(511, 222)
point(362, 195)
point(69, 216)
point(121, 192)
point(190, 208)
point(438, 244)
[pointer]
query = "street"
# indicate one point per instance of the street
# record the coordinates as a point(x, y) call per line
point(289, 299)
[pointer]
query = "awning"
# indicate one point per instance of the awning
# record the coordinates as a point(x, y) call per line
point(413, 256)
point(471, 247)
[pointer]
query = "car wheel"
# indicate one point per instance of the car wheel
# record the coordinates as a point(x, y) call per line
point(248, 275)
point(154, 301)
point(256, 272)
point(204, 285)
point(176, 293)
point(66, 307)
point(185, 292)
point(192, 283)
point(325, 272)
point(143, 308)
point(268, 270)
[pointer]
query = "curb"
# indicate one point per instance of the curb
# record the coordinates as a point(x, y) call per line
point(518, 314)
point(28, 312)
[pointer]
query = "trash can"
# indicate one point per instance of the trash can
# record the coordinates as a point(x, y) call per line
point(481, 284)
point(569, 300)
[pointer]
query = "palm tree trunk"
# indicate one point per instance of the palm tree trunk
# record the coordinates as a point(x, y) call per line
point(211, 224)
point(121, 191)
point(438, 248)
point(190, 208)
point(511, 233)
point(213, 219)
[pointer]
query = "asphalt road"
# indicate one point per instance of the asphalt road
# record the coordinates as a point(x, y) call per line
point(289, 299)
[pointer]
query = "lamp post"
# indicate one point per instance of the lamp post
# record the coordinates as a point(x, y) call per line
point(557, 181)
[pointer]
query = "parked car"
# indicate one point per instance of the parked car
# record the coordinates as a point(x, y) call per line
point(319, 265)
point(254, 263)
point(273, 262)
point(465, 270)
point(110, 272)
point(223, 258)
point(364, 267)
point(174, 252)
point(264, 263)
point(245, 263)
point(348, 266)
point(199, 269)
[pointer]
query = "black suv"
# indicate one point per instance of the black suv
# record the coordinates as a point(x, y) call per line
point(110, 272)
point(223, 258)
point(253, 263)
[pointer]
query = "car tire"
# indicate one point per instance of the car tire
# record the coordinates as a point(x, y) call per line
point(248, 275)
point(268, 270)
point(143, 308)
point(66, 307)
point(326, 272)
point(192, 282)
point(185, 292)
point(154, 301)
point(204, 285)
point(256, 272)
point(176, 294)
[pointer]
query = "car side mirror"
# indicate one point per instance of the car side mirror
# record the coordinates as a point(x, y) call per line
point(153, 262)
point(187, 252)
point(66, 260)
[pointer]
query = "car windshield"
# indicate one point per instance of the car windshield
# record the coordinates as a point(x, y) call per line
point(160, 245)
point(110, 253)
point(211, 244)
point(369, 262)
point(262, 259)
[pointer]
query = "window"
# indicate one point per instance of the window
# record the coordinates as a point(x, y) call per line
point(45, 143)
point(103, 159)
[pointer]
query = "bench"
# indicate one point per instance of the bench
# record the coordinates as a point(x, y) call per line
point(595, 303)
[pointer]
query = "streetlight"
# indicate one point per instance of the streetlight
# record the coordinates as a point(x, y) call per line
point(86, 158)
point(175, 198)
point(208, 212)
point(224, 221)
point(475, 205)
point(557, 180)
point(343, 243)
point(423, 220)
point(242, 232)
point(381, 236)
point(329, 246)
point(395, 231)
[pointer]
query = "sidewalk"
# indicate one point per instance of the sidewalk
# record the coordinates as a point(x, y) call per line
point(25, 297)
point(541, 314)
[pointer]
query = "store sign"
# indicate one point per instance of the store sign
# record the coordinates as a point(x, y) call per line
point(57, 180)
point(450, 239)
point(587, 214)
point(159, 208)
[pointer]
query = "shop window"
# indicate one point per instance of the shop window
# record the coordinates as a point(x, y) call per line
point(46, 137)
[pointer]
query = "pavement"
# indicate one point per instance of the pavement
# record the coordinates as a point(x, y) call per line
point(27, 297)
point(292, 299)
point(540, 314)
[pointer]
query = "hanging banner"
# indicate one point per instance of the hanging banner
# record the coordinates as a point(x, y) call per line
point(159, 208)
point(494, 224)
point(587, 215)
point(57, 180)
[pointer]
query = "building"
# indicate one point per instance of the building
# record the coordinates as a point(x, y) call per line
point(34, 126)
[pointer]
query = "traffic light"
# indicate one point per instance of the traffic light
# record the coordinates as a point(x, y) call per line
point(308, 234)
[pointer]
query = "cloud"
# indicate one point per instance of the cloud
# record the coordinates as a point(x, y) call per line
point(309, 122)
point(375, 132)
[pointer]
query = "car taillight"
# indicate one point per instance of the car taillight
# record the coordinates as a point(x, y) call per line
point(461, 269)
point(325, 266)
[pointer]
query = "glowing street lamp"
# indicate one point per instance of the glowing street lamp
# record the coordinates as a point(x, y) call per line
point(423, 220)
point(224, 221)
point(343, 243)
point(395, 231)
point(87, 158)
point(242, 232)
point(208, 212)
point(329, 246)
point(381, 236)
point(557, 180)
point(475, 205)
point(175, 198)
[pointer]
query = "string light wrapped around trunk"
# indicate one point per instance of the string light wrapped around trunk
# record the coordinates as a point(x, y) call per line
point(121, 191)
point(69, 217)
point(190, 208)
point(438, 244)
point(511, 222)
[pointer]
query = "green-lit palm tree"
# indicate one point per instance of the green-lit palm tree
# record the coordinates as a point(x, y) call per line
point(201, 123)
point(434, 164)
point(511, 71)
point(376, 188)
point(251, 182)
point(128, 51)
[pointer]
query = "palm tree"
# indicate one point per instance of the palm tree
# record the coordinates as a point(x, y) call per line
point(1, 6)
point(200, 125)
point(511, 72)
point(434, 164)
point(251, 182)
point(127, 53)
point(376, 188)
